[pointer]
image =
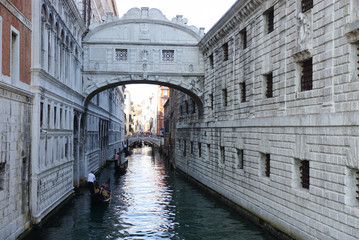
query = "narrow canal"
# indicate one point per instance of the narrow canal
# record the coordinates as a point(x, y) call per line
point(156, 204)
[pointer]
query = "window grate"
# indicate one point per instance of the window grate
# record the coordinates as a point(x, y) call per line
point(243, 91)
point(306, 5)
point(307, 75)
point(243, 34)
point(168, 55)
point(240, 158)
point(357, 190)
point(267, 167)
point(224, 95)
point(269, 81)
point(121, 54)
point(199, 149)
point(211, 100)
point(211, 64)
point(304, 169)
point(270, 19)
point(223, 155)
point(225, 51)
point(358, 58)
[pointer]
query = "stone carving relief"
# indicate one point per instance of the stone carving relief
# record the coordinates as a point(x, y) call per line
point(304, 29)
point(144, 55)
point(145, 32)
point(190, 67)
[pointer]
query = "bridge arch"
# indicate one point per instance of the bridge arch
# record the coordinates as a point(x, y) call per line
point(143, 47)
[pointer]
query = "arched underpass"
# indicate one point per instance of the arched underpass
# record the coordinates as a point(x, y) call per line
point(143, 47)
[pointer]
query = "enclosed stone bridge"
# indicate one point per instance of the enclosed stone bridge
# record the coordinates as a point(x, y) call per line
point(155, 140)
point(143, 47)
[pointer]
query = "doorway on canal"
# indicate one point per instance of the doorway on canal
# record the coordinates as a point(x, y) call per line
point(156, 203)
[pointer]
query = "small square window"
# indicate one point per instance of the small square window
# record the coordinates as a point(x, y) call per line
point(307, 5)
point(121, 54)
point(168, 55)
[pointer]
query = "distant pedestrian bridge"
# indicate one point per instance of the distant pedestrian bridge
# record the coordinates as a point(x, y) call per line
point(143, 47)
point(153, 139)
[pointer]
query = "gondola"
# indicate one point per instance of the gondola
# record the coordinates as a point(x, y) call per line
point(121, 168)
point(102, 194)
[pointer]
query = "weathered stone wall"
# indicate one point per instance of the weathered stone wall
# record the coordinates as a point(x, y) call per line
point(253, 150)
point(15, 160)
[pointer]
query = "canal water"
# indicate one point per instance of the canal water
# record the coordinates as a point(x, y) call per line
point(153, 203)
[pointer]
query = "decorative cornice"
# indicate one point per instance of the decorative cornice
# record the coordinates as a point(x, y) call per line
point(16, 12)
point(230, 20)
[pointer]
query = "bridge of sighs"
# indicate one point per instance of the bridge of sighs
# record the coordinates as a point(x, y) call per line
point(143, 47)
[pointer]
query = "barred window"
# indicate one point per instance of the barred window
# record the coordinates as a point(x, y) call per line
point(243, 34)
point(168, 55)
point(304, 174)
point(270, 19)
point(307, 75)
point(242, 87)
point(2, 175)
point(240, 159)
point(223, 155)
point(306, 5)
point(121, 54)
point(357, 58)
point(269, 85)
point(211, 100)
point(184, 148)
point(225, 51)
point(199, 149)
point(224, 96)
point(211, 63)
point(41, 114)
point(267, 164)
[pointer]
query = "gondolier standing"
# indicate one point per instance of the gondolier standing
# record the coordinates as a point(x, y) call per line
point(91, 179)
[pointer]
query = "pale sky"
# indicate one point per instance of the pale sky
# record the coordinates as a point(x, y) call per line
point(200, 13)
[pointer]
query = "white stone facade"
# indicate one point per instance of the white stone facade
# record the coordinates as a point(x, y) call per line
point(69, 139)
point(263, 129)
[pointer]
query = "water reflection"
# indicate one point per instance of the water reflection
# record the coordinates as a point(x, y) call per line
point(155, 204)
